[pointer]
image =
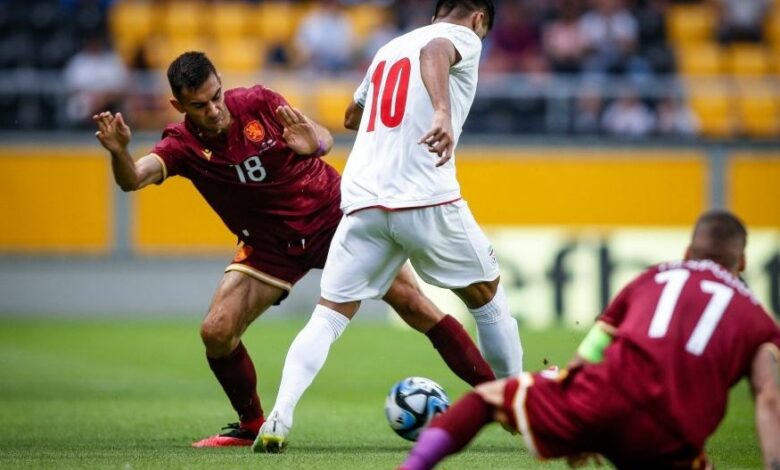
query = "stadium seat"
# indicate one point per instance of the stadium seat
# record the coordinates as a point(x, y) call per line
point(184, 20)
point(713, 109)
point(700, 59)
point(293, 91)
point(773, 26)
point(276, 21)
point(130, 24)
point(229, 19)
point(365, 18)
point(757, 110)
point(330, 102)
point(747, 60)
point(162, 50)
point(687, 24)
point(240, 55)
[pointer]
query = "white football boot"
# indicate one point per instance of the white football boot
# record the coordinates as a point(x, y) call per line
point(272, 436)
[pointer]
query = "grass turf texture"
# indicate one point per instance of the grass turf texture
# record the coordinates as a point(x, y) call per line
point(136, 393)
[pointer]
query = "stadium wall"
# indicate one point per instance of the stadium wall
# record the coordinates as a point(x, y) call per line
point(569, 224)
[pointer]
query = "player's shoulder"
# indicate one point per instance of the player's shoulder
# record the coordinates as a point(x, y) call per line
point(174, 130)
point(245, 93)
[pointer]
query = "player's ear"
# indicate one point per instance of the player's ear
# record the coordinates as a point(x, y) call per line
point(742, 263)
point(176, 105)
point(687, 253)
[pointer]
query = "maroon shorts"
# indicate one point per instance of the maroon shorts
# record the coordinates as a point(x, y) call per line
point(580, 411)
point(280, 262)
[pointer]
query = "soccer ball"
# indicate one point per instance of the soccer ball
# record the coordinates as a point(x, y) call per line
point(411, 405)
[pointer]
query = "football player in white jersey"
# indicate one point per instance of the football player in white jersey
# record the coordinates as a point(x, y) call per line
point(401, 201)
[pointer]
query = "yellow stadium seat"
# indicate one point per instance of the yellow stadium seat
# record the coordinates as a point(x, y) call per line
point(688, 24)
point(296, 93)
point(130, 24)
point(700, 59)
point(748, 60)
point(773, 26)
point(184, 20)
point(757, 111)
point(331, 100)
point(228, 19)
point(162, 50)
point(276, 21)
point(240, 55)
point(365, 18)
point(713, 109)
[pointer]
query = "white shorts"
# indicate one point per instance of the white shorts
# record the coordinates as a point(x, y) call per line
point(444, 244)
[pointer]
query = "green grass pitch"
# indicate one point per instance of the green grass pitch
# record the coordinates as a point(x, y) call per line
point(131, 394)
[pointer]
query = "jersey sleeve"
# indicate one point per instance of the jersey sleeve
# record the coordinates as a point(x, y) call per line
point(170, 151)
point(467, 44)
point(362, 91)
point(615, 312)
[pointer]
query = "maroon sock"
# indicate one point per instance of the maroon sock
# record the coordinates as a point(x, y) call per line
point(464, 419)
point(459, 351)
point(236, 373)
point(449, 432)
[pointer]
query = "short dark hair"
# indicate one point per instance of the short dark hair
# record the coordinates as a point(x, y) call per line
point(189, 71)
point(719, 236)
point(460, 8)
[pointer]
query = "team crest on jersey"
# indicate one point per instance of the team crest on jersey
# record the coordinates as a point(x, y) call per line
point(492, 257)
point(206, 154)
point(243, 253)
point(254, 131)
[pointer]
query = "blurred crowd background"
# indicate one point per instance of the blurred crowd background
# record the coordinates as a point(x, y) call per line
point(623, 68)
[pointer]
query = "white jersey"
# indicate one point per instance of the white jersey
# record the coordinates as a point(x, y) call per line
point(387, 167)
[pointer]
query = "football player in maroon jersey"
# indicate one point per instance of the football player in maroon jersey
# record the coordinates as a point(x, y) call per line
point(650, 381)
point(255, 160)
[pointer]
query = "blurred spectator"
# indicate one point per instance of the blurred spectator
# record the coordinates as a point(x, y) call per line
point(741, 20)
point(675, 118)
point(96, 79)
point(587, 111)
point(384, 33)
point(325, 38)
point(562, 39)
point(412, 14)
point(513, 44)
point(611, 36)
point(144, 104)
point(651, 21)
point(628, 116)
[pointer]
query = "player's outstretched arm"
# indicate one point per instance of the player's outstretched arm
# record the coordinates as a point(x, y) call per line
point(114, 135)
point(302, 135)
point(765, 380)
point(436, 58)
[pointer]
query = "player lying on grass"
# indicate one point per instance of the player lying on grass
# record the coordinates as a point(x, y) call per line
point(256, 161)
point(650, 381)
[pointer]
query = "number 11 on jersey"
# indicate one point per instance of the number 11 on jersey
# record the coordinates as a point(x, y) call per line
point(674, 280)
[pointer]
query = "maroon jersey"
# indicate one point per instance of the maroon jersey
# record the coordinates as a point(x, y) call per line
point(685, 332)
point(257, 185)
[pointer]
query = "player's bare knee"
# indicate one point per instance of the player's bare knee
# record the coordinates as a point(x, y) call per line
point(478, 294)
point(218, 338)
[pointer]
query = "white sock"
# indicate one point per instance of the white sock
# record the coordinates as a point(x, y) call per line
point(498, 337)
point(306, 357)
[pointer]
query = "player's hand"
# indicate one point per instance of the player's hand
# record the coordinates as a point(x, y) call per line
point(585, 458)
point(440, 138)
point(112, 131)
point(299, 132)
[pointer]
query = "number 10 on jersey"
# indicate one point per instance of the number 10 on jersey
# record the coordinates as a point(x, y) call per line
point(395, 89)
